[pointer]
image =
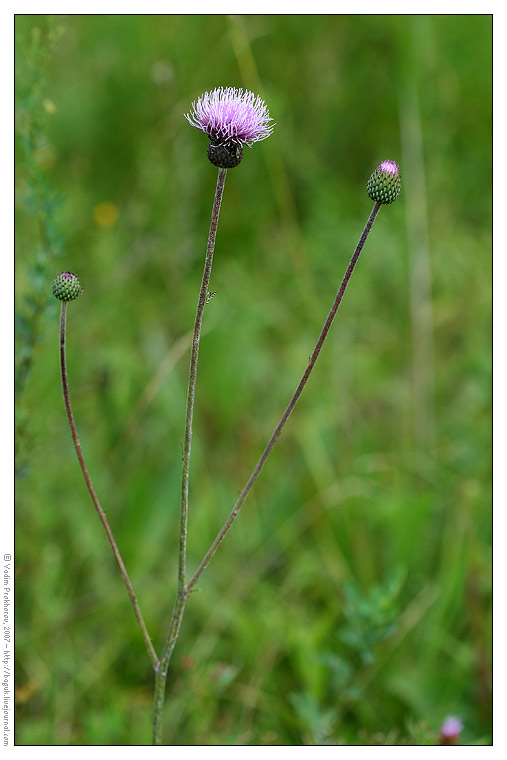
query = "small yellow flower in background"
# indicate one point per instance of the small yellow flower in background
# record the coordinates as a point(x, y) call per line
point(23, 693)
point(49, 106)
point(105, 214)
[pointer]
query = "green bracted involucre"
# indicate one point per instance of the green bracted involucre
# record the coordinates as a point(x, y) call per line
point(384, 185)
point(226, 156)
point(66, 286)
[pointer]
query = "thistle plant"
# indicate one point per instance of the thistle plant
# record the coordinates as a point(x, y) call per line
point(231, 119)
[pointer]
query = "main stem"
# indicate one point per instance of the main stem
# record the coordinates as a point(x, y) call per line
point(100, 511)
point(182, 594)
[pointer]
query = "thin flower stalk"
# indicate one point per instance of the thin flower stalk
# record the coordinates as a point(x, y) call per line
point(192, 376)
point(102, 515)
point(383, 187)
point(292, 403)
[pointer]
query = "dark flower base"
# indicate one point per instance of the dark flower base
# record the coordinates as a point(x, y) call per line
point(226, 156)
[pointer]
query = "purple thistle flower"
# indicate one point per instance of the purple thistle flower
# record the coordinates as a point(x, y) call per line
point(450, 730)
point(390, 167)
point(230, 115)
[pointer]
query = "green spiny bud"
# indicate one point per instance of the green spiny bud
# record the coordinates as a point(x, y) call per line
point(384, 185)
point(66, 286)
point(227, 155)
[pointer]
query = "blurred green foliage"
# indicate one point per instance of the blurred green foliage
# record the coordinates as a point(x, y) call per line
point(351, 602)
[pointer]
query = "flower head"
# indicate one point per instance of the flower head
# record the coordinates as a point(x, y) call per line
point(384, 185)
point(231, 118)
point(66, 286)
point(450, 730)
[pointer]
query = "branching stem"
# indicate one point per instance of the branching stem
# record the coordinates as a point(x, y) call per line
point(184, 590)
point(292, 403)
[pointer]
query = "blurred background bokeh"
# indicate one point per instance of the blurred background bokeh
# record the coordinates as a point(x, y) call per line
point(350, 604)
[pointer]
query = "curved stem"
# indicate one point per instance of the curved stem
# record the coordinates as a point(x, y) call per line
point(292, 403)
point(100, 511)
point(182, 595)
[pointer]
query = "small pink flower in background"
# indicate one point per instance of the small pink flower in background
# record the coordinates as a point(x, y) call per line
point(450, 730)
point(227, 114)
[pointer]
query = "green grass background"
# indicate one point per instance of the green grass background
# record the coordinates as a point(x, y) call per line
point(351, 601)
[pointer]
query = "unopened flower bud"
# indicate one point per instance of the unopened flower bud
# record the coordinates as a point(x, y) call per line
point(384, 185)
point(66, 286)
